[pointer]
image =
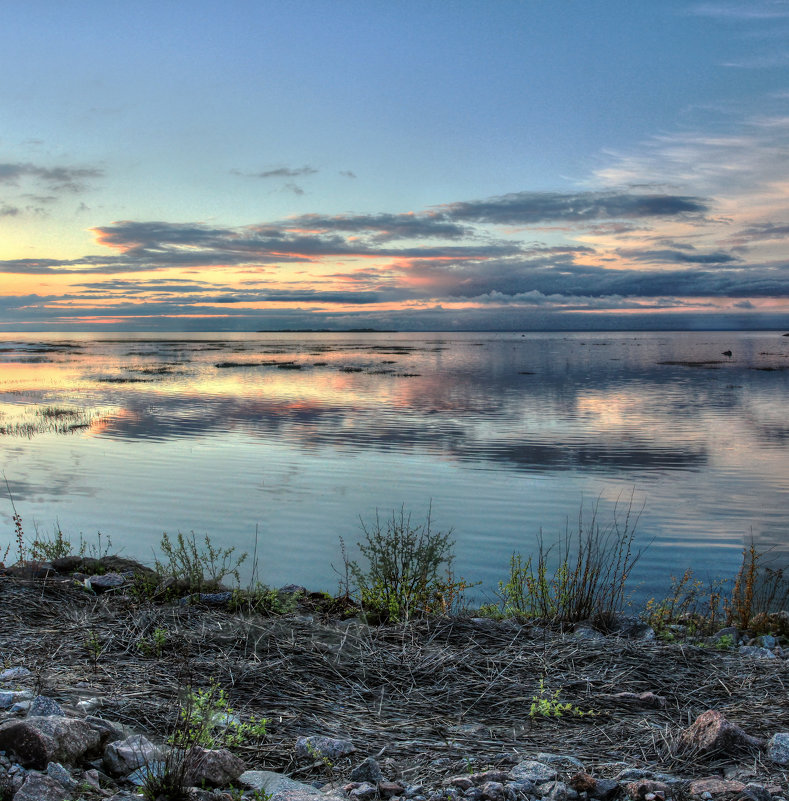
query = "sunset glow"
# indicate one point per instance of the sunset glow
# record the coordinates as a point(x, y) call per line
point(332, 183)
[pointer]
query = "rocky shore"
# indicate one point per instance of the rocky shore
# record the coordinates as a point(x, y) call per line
point(97, 674)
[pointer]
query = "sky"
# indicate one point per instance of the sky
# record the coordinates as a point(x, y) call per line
point(425, 165)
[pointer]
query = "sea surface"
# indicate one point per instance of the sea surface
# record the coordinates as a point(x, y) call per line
point(280, 444)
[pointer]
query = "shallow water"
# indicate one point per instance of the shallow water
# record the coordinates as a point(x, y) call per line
point(296, 436)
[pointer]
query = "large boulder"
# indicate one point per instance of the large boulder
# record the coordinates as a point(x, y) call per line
point(532, 771)
point(37, 741)
point(712, 733)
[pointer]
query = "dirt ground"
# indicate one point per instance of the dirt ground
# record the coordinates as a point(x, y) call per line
point(431, 698)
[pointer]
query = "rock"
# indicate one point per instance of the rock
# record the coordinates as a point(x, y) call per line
point(493, 791)
point(107, 581)
point(711, 733)
point(44, 706)
point(641, 788)
point(14, 673)
point(729, 631)
point(489, 776)
point(38, 787)
point(141, 775)
point(89, 705)
point(561, 761)
point(768, 641)
point(755, 792)
point(632, 627)
point(108, 730)
point(365, 791)
point(10, 697)
point(37, 741)
point(778, 748)
point(461, 782)
point(272, 783)
point(645, 699)
point(318, 747)
point(756, 651)
point(715, 786)
point(390, 789)
point(367, 771)
point(557, 791)
point(57, 772)
point(587, 633)
point(212, 767)
point(602, 789)
point(532, 771)
point(121, 757)
point(292, 589)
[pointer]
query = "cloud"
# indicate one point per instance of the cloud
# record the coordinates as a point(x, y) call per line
point(533, 208)
point(8, 211)
point(743, 11)
point(280, 172)
point(348, 173)
point(57, 179)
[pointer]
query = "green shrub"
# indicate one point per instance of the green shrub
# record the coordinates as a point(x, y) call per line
point(407, 569)
point(589, 580)
point(198, 568)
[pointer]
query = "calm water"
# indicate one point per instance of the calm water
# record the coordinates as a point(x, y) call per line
point(298, 435)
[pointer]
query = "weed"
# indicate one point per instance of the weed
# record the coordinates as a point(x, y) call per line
point(51, 548)
point(95, 648)
point(204, 720)
point(263, 600)
point(547, 705)
point(207, 719)
point(198, 568)
point(153, 645)
point(725, 641)
point(408, 569)
point(589, 580)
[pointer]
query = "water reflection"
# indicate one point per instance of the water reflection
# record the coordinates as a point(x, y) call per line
point(469, 420)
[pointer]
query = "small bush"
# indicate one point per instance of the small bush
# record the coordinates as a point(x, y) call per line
point(546, 704)
point(589, 580)
point(408, 569)
point(198, 568)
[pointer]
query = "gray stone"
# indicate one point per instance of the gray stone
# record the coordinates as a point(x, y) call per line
point(366, 791)
point(755, 792)
point(319, 747)
point(45, 706)
point(768, 641)
point(38, 787)
point(20, 708)
point(14, 673)
point(104, 582)
point(57, 772)
point(10, 697)
point(299, 794)
point(151, 769)
point(271, 783)
point(108, 730)
point(493, 791)
point(367, 771)
point(123, 756)
point(633, 774)
point(212, 767)
point(778, 748)
point(37, 741)
point(587, 633)
point(561, 761)
point(757, 652)
point(532, 771)
point(557, 791)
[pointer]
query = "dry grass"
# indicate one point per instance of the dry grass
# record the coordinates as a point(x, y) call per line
point(428, 695)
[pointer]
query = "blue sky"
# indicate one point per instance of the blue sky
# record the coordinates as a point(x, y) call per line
point(418, 165)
